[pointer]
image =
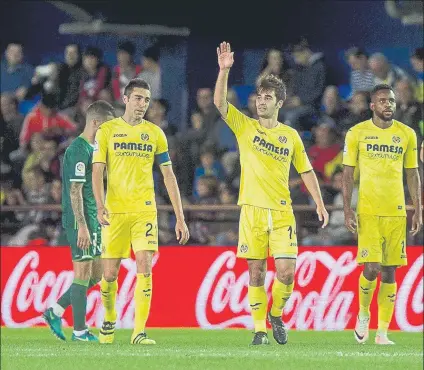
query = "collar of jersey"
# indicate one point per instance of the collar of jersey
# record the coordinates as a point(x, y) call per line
point(142, 122)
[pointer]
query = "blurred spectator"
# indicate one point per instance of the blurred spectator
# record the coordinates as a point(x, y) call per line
point(228, 237)
point(334, 110)
point(309, 79)
point(361, 77)
point(221, 136)
point(15, 73)
point(274, 64)
point(36, 191)
point(408, 110)
point(251, 106)
point(151, 72)
point(335, 233)
point(43, 156)
point(325, 149)
point(125, 71)
point(157, 114)
point(12, 124)
point(204, 100)
point(70, 76)
point(96, 75)
point(81, 110)
point(45, 118)
point(207, 193)
point(384, 72)
point(12, 197)
point(417, 62)
point(358, 111)
point(209, 166)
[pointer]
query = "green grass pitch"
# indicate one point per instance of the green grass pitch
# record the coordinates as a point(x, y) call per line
point(37, 349)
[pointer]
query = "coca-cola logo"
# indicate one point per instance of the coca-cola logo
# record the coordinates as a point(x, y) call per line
point(25, 289)
point(326, 308)
point(324, 298)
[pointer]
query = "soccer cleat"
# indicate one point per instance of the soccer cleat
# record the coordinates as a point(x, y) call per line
point(279, 330)
point(259, 338)
point(55, 323)
point(107, 332)
point(86, 337)
point(361, 329)
point(383, 340)
point(141, 338)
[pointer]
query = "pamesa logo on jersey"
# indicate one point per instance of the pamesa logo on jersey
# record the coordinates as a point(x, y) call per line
point(144, 137)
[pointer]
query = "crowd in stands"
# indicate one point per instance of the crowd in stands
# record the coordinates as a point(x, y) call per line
point(43, 110)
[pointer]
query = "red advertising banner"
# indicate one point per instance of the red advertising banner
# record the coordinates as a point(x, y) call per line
point(206, 287)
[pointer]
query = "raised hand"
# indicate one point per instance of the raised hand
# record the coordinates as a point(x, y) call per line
point(225, 55)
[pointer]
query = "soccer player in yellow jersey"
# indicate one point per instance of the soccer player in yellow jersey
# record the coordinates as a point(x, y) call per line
point(381, 147)
point(267, 224)
point(127, 147)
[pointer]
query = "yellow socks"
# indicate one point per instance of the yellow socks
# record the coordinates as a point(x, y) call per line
point(366, 292)
point(142, 297)
point(280, 295)
point(386, 305)
point(108, 292)
point(258, 301)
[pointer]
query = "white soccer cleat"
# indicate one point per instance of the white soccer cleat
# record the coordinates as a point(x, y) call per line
point(362, 329)
point(383, 340)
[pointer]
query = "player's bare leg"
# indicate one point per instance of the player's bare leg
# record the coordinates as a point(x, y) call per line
point(282, 289)
point(142, 297)
point(108, 289)
point(367, 283)
point(258, 299)
point(386, 303)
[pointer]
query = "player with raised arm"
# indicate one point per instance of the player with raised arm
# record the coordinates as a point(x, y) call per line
point(267, 223)
point(79, 219)
point(127, 147)
point(381, 147)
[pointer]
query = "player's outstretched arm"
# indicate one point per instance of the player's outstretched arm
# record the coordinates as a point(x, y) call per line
point(99, 192)
point(77, 204)
point(348, 184)
point(225, 62)
point(311, 182)
point(414, 187)
point(181, 229)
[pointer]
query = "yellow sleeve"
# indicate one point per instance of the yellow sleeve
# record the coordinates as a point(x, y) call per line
point(100, 145)
point(350, 151)
point(235, 119)
point(300, 158)
point(410, 160)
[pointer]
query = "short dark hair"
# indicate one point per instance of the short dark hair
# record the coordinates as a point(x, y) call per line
point(153, 52)
point(356, 52)
point(135, 82)
point(100, 108)
point(127, 46)
point(380, 87)
point(418, 53)
point(272, 82)
point(94, 52)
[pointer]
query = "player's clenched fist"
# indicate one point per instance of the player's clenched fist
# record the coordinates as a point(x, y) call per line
point(181, 231)
point(225, 56)
point(102, 214)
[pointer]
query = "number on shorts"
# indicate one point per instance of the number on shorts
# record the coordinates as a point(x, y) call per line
point(95, 246)
point(291, 231)
point(403, 246)
point(149, 229)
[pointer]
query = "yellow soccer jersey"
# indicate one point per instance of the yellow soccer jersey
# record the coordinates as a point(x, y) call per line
point(129, 153)
point(381, 155)
point(265, 158)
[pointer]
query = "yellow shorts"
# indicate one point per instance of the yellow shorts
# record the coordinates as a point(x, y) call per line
point(126, 230)
point(263, 230)
point(382, 240)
